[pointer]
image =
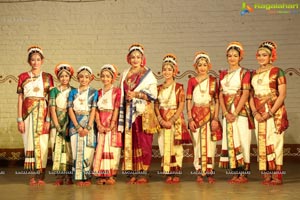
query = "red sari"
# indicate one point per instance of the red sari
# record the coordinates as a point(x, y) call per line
point(34, 111)
point(269, 133)
point(108, 149)
point(204, 96)
point(171, 140)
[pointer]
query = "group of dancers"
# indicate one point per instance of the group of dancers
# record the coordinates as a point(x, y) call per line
point(90, 128)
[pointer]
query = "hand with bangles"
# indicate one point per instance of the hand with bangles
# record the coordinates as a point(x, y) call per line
point(262, 117)
point(164, 123)
point(230, 117)
point(46, 127)
point(192, 125)
point(258, 117)
point(101, 129)
point(82, 132)
point(104, 130)
point(130, 95)
point(266, 116)
point(214, 124)
point(112, 125)
point(21, 127)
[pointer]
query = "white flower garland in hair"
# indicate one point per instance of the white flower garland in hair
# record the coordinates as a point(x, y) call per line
point(170, 59)
point(109, 67)
point(268, 44)
point(35, 49)
point(201, 55)
point(136, 48)
point(234, 45)
point(85, 68)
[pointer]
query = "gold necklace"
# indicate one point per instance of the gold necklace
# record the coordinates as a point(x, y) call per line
point(62, 91)
point(169, 96)
point(263, 71)
point(104, 99)
point(83, 99)
point(35, 87)
point(203, 91)
point(233, 72)
point(260, 79)
point(132, 83)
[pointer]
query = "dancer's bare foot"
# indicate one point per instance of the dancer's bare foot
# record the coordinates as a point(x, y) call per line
point(110, 181)
point(211, 180)
point(132, 180)
point(176, 179)
point(58, 182)
point(32, 182)
point(234, 179)
point(199, 179)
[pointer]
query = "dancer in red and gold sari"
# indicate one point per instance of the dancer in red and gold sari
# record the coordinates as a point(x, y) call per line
point(267, 104)
point(169, 109)
point(108, 149)
point(59, 133)
point(137, 118)
point(237, 122)
point(33, 115)
point(203, 110)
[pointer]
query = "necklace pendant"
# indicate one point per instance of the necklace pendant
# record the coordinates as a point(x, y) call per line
point(259, 81)
point(202, 92)
point(36, 89)
point(81, 101)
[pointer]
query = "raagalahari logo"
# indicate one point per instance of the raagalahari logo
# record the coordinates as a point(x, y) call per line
point(273, 8)
point(246, 9)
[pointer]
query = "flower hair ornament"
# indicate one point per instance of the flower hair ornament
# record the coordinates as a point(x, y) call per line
point(35, 48)
point(199, 55)
point(112, 69)
point(63, 67)
point(172, 60)
point(85, 68)
point(136, 47)
point(237, 46)
point(270, 47)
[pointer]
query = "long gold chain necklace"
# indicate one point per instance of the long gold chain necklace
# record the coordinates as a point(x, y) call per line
point(83, 99)
point(63, 91)
point(103, 97)
point(227, 82)
point(167, 100)
point(261, 78)
point(203, 91)
point(35, 87)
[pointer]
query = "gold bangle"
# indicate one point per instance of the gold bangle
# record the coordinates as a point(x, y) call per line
point(58, 128)
point(270, 113)
point(140, 95)
point(235, 113)
point(255, 113)
point(159, 118)
point(225, 113)
point(77, 127)
point(173, 119)
point(88, 127)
